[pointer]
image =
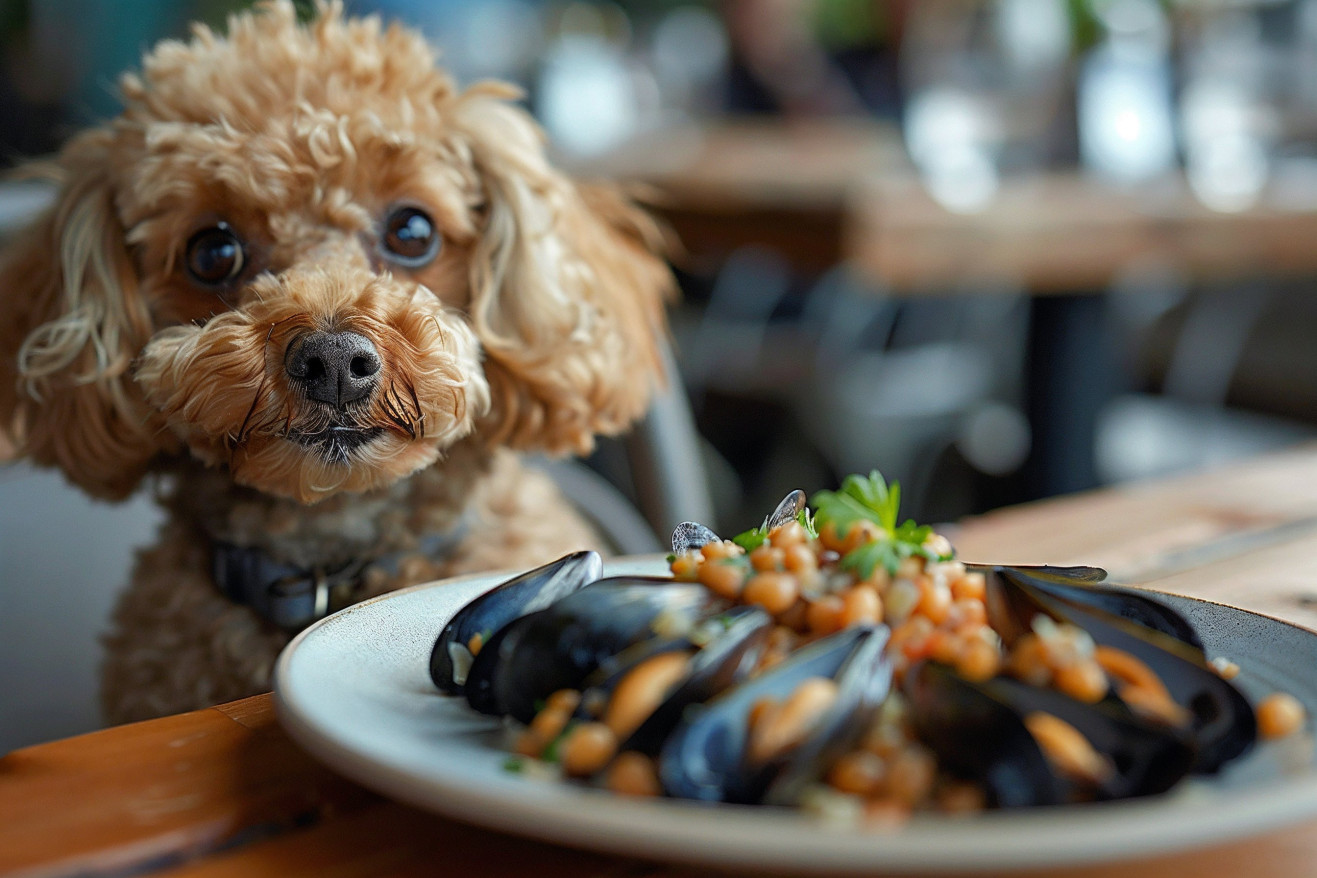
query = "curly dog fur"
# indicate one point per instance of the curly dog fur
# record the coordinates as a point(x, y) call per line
point(134, 353)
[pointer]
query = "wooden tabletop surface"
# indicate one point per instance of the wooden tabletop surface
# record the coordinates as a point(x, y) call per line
point(820, 191)
point(224, 792)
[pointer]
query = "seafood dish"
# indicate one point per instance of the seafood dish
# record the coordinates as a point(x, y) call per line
point(837, 661)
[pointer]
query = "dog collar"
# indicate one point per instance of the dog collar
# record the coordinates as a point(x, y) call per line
point(292, 597)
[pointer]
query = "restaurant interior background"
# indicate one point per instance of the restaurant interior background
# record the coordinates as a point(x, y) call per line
point(997, 249)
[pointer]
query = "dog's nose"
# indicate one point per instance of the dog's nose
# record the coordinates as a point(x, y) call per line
point(333, 367)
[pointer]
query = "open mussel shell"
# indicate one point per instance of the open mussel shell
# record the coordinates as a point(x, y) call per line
point(1223, 725)
point(1085, 586)
point(706, 757)
point(865, 684)
point(725, 647)
point(981, 738)
point(976, 729)
point(451, 658)
point(560, 646)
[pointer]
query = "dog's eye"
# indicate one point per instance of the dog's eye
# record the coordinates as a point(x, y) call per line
point(410, 238)
point(215, 256)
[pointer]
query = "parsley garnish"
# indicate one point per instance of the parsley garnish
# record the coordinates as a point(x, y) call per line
point(513, 765)
point(872, 499)
point(752, 538)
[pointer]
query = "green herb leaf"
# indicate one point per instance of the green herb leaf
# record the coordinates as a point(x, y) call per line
point(806, 519)
point(514, 765)
point(872, 499)
point(751, 539)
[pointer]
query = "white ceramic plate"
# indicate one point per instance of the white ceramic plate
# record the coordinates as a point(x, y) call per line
point(355, 691)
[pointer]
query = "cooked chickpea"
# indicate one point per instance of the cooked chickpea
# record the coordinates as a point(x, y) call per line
point(945, 647)
point(978, 660)
point(792, 533)
point(799, 559)
point(858, 772)
point(879, 579)
point(832, 538)
point(967, 611)
point(824, 615)
point(633, 774)
point(587, 749)
point(723, 578)
point(768, 557)
point(909, 568)
point(971, 585)
point(934, 601)
point(775, 592)
point(900, 601)
point(1279, 714)
point(685, 565)
point(860, 605)
point(475, 643)
point(720, 549)
point(910, 775)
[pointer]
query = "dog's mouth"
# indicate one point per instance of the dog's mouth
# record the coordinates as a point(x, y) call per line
point(336, 443)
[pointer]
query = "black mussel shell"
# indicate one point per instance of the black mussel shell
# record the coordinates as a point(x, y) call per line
point(560, 646)
point(1145, 758)
point(727, 646)
point(981, 738)
point(1084, 586)
point(450, 660)
point(1223, 723)
point(704, 758)
point(864, 684)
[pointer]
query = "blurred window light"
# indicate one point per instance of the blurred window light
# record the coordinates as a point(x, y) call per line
point(589, 97)
point(1126, 127)
point(689, 44)
point(951, 137)
point(1230, 121)
point(1035, 33)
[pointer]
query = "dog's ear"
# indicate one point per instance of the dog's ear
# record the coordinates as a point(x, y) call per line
point(71, 321)
point(567, 288)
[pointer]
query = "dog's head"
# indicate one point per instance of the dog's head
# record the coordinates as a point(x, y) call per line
point(303, 254)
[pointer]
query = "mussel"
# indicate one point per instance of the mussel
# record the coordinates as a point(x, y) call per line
point(1220, 721)
point(716, 755)
point(721, 652)
point(606, 624)
point(474, 625)
point(981, 732)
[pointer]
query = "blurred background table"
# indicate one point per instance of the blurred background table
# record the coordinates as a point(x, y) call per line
point(224, 792)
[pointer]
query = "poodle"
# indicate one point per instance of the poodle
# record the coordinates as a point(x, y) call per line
point(319, 299)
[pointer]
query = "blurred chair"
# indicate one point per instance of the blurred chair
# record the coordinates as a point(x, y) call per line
point(1188, 424)
point(897, 385)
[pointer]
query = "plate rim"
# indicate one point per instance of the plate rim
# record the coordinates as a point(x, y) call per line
point(1200, 823)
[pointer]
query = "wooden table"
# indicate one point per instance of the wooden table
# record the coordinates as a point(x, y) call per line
point(224, 792)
